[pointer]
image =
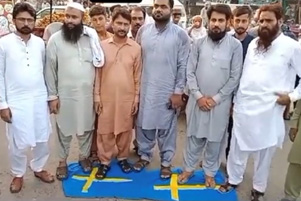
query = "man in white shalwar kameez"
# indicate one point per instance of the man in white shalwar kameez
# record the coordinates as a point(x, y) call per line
point(23, 97)
point(266, 87)
point(70, 74)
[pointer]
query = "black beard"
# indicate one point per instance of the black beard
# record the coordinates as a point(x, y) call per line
point(72, 35)
point(24, 30)
point(266, 37)
point(163, 19)
point(240, 31)
point(216, 36)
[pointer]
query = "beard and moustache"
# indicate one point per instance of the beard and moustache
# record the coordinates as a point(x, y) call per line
point(240, 30)
point(160, 18)
point(266, 37)
point(216, 34)
point(24, 30)
point(72, 32)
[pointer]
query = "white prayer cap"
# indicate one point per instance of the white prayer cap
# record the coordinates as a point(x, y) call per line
point(76, 5)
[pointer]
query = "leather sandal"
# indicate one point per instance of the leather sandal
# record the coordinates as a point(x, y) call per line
point(16, 185)
point(140, 165)
point(44, 176)
point(165, 172)
point(125, 166)
point(102, 172)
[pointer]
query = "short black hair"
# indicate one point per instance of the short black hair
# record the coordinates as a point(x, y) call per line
point(97, 10)
point(138, 8)
point(242, 10)
point(112, 8)
point(220, 8)
point(24, 7)
point(125, 13)
point(170, 2)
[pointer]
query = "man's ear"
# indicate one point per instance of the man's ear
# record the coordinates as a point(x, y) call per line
point(228, 23)
point(280, 22)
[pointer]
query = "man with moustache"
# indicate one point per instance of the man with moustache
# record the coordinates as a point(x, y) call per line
point(69, 78)
point(165, 49)
point(98, 21)
point(241, 21)
point(216, 56)
point(23, 97)
point(266, 87)
point(176, 16)
point(117, 97)
point(138, 18)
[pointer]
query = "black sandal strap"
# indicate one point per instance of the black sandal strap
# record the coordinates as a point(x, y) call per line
point(102, 171)
point(227, 187)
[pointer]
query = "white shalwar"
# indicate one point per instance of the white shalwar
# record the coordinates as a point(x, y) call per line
point(258, 127)
point(23, 91)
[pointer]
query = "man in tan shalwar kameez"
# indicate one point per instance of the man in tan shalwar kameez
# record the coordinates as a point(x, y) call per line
point(117, 94)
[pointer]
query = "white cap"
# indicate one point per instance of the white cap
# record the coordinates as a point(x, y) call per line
point(76, 5)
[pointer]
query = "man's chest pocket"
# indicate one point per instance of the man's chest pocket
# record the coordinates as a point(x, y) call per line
point(224, 63)
point(87, 55)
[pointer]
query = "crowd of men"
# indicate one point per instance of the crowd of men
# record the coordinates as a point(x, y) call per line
point(102, 83)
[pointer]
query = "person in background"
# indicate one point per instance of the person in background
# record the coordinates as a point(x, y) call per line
point(23, 98)
point(204, 13)
point(98, 21)
point(117, 97)
point(197, 30)
point(176, 16)
point(109, 26)
point(241, 20)
point(292, 187)
point(138, 15)
point(269, 70)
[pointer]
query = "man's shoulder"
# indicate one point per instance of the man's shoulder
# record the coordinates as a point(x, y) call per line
point(4, 39)
point(37, 39)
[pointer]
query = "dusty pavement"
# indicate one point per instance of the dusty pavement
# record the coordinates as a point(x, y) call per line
point(35, 190)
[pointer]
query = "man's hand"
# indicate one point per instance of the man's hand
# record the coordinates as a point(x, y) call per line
point(98, 107)
point(203, 104)
point(6, 115)
point(176, 101)
point(283, 99)
point(292, 134)
point(134, 108)
point(211, 103)
point(54, 106)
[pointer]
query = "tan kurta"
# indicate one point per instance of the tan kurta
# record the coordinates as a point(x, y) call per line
point(117, 86)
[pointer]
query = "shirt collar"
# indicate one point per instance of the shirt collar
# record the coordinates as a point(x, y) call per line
point(128, 41)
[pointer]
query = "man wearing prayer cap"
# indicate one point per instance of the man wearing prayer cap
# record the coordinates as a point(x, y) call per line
point(72, 55)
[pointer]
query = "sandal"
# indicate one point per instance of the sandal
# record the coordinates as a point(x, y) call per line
point(140, 165)
point(44, 176)
point(256, 195)
point(62, 173)
point(210, 182)
point(184, 177)
point(226, 188)
point(94, 159)
point(165, 172)
point(16, 185)
point(102, 171)
point(125, 166)
point(86, 165)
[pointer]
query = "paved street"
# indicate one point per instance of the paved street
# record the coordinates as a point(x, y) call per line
point(34, 190)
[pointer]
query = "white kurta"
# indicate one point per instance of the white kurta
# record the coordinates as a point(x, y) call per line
point(23, 90)
point(258, 119)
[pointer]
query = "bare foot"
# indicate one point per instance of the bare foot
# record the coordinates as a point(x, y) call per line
point(210, 182)
point(184, 177)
